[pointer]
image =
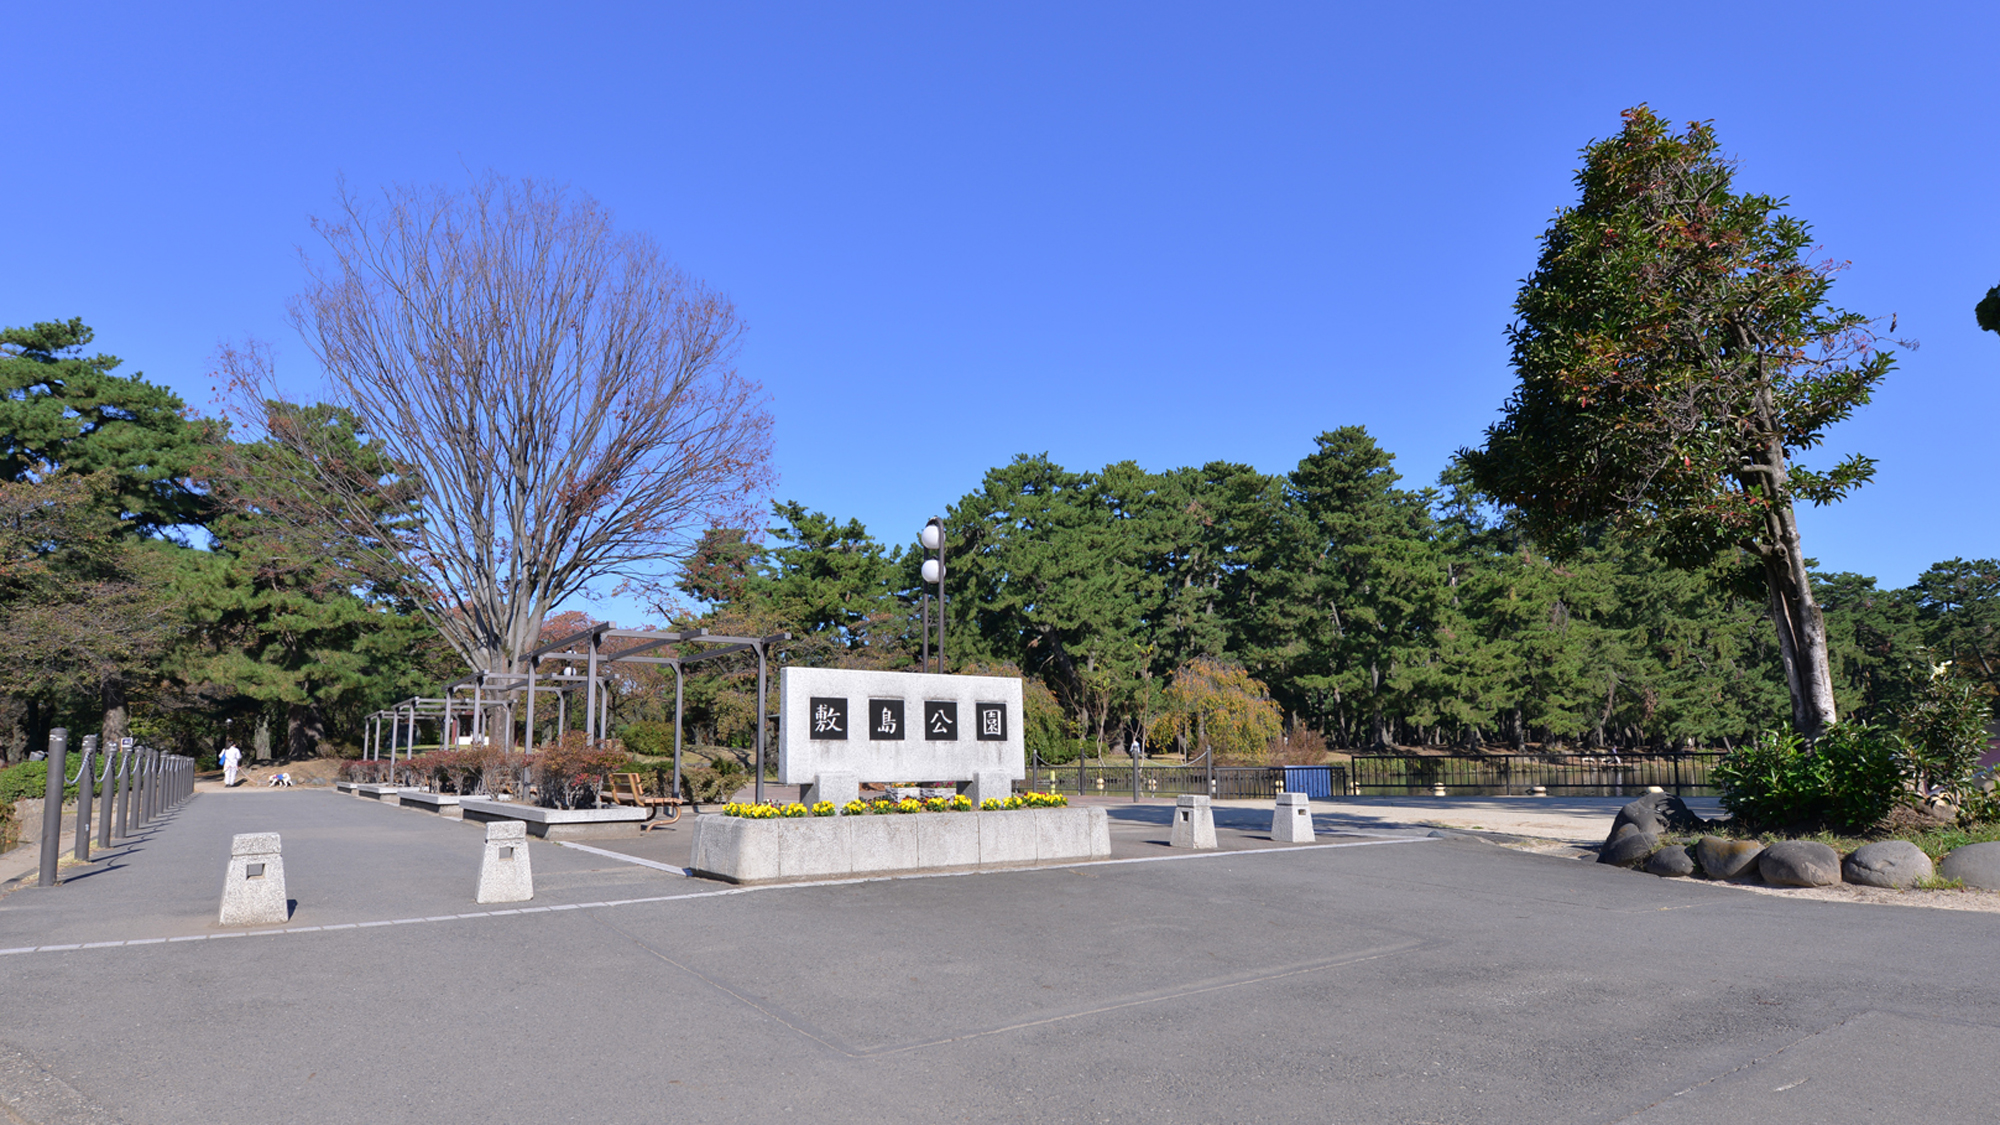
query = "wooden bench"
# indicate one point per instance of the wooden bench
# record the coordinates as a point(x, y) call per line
point(630, 789)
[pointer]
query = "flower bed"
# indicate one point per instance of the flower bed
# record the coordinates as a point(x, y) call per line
point(772, 811)
point(767, 845)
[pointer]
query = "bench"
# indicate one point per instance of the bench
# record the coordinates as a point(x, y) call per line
point(630, 789)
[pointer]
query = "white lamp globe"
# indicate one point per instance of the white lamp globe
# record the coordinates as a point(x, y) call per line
point(932, 571)
point(931, 537)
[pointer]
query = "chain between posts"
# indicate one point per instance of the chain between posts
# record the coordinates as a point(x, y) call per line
point(125, 788)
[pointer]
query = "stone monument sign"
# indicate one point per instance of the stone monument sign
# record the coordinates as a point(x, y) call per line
point(838, 728)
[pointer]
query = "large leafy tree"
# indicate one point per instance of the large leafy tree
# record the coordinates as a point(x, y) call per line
point(1676, 351)
point(285, 618)
point(63, 410)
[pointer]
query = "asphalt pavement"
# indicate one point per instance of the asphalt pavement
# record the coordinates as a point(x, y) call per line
point(1375, 978)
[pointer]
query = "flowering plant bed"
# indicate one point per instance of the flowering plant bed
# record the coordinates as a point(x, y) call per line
point(772, 811)
point(769, 846)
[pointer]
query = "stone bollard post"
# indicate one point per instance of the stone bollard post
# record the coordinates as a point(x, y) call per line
point(1292, 821)
point(504, 874)
point(253, 892)
point(1194, 822)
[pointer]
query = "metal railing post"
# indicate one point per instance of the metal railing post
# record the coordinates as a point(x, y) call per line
point(104, 800)
point(86, 796)
point(125, 760)
point(52, 801)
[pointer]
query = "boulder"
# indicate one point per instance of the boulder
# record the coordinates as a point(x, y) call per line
point(1670, 863)
point(1658, 814)
point(1887, 863)
point(1727, 859)
point(1975, 865)
point(1799, 863)
point(1627, 849)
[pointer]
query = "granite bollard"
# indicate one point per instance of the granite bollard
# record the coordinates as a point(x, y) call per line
point(1291, 821)
point(504, 871)
point(1194, 822)
point(253, 891)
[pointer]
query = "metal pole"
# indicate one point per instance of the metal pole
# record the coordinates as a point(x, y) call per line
point(677, 730)
point(760, 722)
point(941, 598)
point(104, 800)
point(927, 629)
point(52, 795)
point(590, 693)
point(124, 806)
point(85, 798)
point(528, 735)
point(139, 782)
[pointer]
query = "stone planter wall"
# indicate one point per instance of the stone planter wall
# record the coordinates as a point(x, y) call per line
point(741, 850)
point(557, 824)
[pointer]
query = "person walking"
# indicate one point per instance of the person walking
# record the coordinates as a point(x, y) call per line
point(231, 758)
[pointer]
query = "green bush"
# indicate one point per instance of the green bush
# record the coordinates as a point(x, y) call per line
point(29, 781)
point(648, 739)
point(1849, 781)
point(1942, 732)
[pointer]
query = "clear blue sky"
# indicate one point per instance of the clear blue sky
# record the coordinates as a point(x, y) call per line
point(1165, 233)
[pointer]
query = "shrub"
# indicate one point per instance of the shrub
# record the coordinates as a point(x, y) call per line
point(706, 786)
point(568, 774)
point(1942, 731)
point(1847, 782)
point(25, 781)
point(648, 738)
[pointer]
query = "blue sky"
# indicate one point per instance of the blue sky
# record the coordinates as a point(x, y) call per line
point(1157, 232)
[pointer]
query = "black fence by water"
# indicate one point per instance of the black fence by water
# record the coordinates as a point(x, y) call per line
point(1687, 774)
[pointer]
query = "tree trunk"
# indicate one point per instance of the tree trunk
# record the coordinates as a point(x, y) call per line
point(305, 729)
point(1801, 629)
point(117, 720)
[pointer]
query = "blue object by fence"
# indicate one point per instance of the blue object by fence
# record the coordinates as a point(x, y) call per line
point(1313, 781)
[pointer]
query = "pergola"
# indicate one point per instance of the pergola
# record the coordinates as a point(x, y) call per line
point(582, 664)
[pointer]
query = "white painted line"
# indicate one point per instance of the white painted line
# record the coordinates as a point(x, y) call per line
point(725, 891)
point(623, 858)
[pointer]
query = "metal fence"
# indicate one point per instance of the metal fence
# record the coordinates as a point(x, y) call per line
point(1688, 774)
point(126, 785)
point(1125, 780)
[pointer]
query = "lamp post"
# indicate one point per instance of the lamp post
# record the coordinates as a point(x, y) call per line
point(932, 537)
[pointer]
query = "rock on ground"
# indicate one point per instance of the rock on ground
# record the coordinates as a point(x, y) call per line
point(1894, 864)
point(1657, 814)
point(1670, 863)
point(1727, 859)
point(1975, 865)
point(1799, 863)
point(1628, 846)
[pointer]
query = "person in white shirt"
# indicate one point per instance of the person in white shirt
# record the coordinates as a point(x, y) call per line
point(231, 757)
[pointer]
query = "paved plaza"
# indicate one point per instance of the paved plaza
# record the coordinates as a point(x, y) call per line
point(1380, 975)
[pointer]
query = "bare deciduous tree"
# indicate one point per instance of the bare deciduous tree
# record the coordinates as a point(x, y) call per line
point(560, 401)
